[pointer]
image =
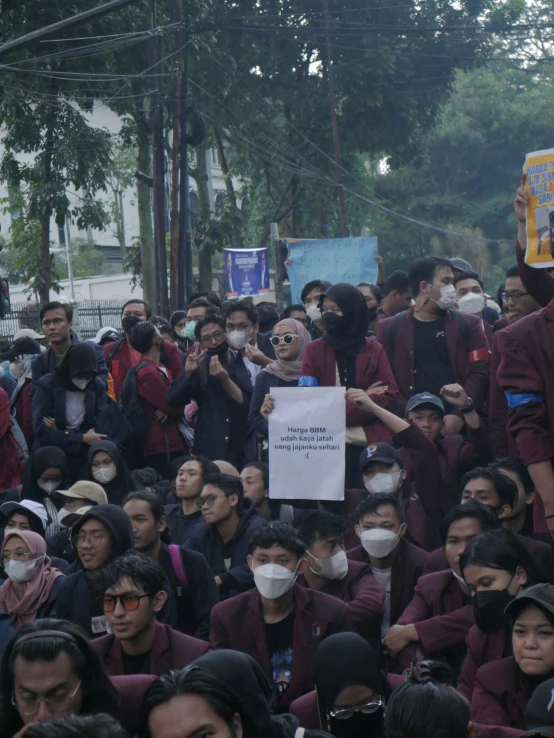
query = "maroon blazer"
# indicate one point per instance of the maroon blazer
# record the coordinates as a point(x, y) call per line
point(407, 567)
point(371, 366)
point(152, 386)
point(439, 614)
point(540, 552)
point(526, 351)
point(125, 357)
point(458, 456)
point(170, 650)
point(503, 443)
point(364, 596)
point(500, 697)
point(131, 691)
point(238, 624)
point(469, 357)
point(482, 648)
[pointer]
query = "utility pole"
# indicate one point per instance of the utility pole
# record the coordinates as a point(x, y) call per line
point(175, 276)
point(276, 244)
point(336, 143)
point(185, 245)
point(159, 168)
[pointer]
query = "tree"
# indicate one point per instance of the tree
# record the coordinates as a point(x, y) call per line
point(86, 260)
point(121, 177)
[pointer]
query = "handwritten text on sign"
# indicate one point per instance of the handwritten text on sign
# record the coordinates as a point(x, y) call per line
point(306, 443)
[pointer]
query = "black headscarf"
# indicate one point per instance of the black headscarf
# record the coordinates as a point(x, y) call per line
point(80, 358)
point(48, 457)
point(176, 317)
point(116, 521)
point(122, 483)
point(349, 334)
point(342, 660)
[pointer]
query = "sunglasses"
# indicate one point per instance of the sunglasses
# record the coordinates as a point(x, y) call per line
point(288, 338)
point(129, 602)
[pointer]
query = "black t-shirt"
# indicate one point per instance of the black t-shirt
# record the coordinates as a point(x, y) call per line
point(136, 664)
point(279, 642)
point(432, 363)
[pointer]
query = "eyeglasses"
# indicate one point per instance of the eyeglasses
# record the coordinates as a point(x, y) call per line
point(94, 540)
point(208, 501)
point(56, 703)
point(208, 340)
point(129, 602)
point(16, 556)
point(515, 296)
point(346, 713)
point(288, 338)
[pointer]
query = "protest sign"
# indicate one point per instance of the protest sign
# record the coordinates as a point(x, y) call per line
point(246, 272)
point(539, 167)
point(349, 260)
point(306, 443)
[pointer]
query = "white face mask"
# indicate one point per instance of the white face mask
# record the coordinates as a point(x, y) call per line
point(182, 332)
point(335, 567)
point(21, 571)
point(7, 531)
point(379, 542)
point(313, 313)
point(61, 514)
point(105, 475)
point(80, 383)
point(458, 577)
point(16, 369)
point(274, 580)
point(471, 303)
point(239, 339)
point(48, 487)
point(447, 298)
point(383, 482)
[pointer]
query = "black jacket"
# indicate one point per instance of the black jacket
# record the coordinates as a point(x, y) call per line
point(45, 363)
point(181, 526)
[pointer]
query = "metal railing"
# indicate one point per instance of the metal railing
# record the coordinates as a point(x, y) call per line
point(90, 316)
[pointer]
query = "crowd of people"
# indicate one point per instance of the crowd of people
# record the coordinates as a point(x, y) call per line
point(153, 586)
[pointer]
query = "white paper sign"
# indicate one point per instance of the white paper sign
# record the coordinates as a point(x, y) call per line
point(306, 443)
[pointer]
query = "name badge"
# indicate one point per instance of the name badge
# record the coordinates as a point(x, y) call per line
point(100, 624)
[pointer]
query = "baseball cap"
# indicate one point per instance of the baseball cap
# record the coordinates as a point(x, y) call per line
point(461, 264)
point(383, 452)
point(106, 333)
point(22, 346)
point(424, 398)
point(539, 594)
point(27, 507)
point(28, 333)
point(539, 713)
point(86, 491)
point(72, 517)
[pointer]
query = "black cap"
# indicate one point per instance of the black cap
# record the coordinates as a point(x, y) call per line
point(383, 452)
point(460, 264)
point(22, 346)
point(541, 595)
point(539, 714)
point(424, 398)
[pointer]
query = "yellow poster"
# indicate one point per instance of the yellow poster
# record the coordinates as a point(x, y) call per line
point(539, 168)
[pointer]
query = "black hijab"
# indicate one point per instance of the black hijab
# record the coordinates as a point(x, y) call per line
point(80, 358)
point(122, 483)
point(48, 457)
point(349, 334)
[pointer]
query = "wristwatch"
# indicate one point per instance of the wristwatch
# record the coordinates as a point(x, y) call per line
point(469, 409)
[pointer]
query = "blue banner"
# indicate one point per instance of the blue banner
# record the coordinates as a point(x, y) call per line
point(246, 272)
point(349, 260)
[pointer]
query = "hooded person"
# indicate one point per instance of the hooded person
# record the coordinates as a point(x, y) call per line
point(289, 340)
point(67, 403)
point(31, 588)
point(106, 466)
point(11, 466)
point(21, 354)
point(245, 678)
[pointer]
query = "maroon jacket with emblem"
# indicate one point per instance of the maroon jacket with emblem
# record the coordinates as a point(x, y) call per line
point(407, 567)
point(125, 357)
point(500, 697)
point(238, 623)
point(457, 456)
point(482, 648)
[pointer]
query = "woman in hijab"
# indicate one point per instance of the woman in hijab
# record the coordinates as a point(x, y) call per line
point(43, 473)
point(21, 355)
point(67, 404)
point(31, 588)
point(246, 680)
point(10, 464)
point(106, 466)
point(345, 357)
point(351, 690)
point(289, 340)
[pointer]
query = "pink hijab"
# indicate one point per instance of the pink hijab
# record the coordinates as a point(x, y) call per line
point(23, 600)
point(289, 371)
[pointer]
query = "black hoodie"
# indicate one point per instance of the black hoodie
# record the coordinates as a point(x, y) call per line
point(122, 483)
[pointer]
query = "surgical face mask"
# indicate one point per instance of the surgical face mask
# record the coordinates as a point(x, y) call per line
point(220, 350)
point(80, 383)
point(189, 330)
point(274, 580)
point(313, 313)
point(335, 567)
point(21, 571)
point(383, 482)
point(105, 475)
point(379, 542)
point(129, 323)
point(239, 339)
point(48, 487)
point(16, 369)
point(471, 303)
point(489, 608)
point(61, 514)
point(7, 531)
point(447, 298)
point(333, 323)
point(182, 332)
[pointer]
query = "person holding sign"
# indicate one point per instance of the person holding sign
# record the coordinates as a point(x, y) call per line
point(345, 357)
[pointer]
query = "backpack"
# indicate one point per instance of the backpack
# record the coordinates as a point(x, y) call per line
point(178, 567)
point(130, 406)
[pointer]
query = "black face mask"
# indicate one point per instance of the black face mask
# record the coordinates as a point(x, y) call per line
point(129, 323)
point(333, 323)
point(489, 608)
point(358, 725)
point(220, 350)
point(373, 312)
